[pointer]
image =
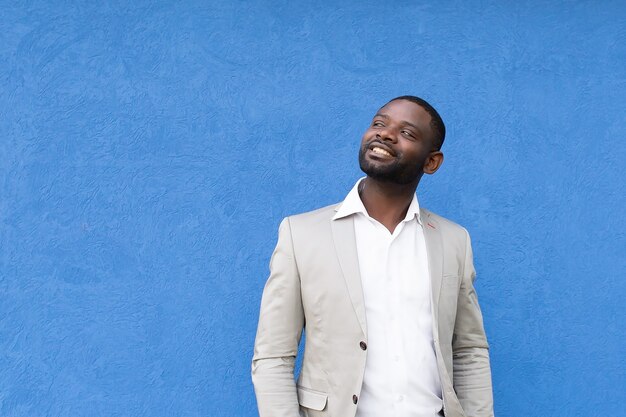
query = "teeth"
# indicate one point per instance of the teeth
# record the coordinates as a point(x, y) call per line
point(381, 151)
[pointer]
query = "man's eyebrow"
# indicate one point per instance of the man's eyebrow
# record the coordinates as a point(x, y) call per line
point(384, 116)
point(413, 126)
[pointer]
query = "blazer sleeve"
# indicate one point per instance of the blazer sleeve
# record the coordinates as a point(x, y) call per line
point(281, 321)
point(470, 351)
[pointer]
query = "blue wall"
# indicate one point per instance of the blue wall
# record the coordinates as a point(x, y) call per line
point(148, 152)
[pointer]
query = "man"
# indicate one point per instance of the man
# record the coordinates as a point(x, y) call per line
point(384, 289)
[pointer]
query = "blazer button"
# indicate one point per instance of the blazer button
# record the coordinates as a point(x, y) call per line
point(363, 345)
point(355, 399)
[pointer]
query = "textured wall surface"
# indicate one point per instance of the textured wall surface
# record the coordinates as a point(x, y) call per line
point(148, 152)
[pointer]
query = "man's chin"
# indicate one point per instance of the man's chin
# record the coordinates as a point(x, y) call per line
point(392, 174)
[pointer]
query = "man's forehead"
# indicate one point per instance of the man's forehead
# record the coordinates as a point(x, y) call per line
point(406, 109)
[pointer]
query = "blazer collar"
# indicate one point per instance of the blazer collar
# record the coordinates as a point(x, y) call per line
point(345, 246)
point(434, 250)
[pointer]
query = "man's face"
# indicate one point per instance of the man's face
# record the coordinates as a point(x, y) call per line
point(397, 144)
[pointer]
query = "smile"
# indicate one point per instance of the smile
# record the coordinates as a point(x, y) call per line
point(380, 151)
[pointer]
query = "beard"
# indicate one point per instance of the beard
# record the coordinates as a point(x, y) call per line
point(397, 172)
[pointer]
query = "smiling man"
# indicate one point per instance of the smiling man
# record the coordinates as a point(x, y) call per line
point(384, 289)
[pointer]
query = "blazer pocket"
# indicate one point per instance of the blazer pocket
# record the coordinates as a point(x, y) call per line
point(308, 398)
point(450, 279)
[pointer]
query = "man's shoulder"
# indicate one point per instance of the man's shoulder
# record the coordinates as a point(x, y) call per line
point(313, 217)
point(311, 225)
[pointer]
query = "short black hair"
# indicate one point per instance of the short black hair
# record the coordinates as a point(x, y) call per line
point(436, 122)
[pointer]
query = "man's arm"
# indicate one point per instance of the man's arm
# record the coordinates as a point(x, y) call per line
point(280, 326)
point(470, 351)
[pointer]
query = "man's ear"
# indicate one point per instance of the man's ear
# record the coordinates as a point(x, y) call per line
point(434, 161)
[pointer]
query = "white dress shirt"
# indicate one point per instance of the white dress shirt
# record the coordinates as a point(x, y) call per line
point(401, 377)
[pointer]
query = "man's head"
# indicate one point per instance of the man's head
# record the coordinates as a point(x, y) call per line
point(403, 141)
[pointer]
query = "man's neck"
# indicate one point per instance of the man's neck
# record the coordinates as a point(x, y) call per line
point(385, 201)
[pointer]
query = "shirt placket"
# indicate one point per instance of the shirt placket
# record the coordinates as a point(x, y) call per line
point(395, 345)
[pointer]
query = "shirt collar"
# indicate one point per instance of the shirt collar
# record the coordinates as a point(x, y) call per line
point(353, 204)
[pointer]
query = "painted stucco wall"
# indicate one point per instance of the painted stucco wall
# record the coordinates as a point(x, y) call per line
point(148, 152)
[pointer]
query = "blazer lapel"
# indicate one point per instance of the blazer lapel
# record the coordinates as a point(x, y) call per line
point(434, 249)
point(345, 245)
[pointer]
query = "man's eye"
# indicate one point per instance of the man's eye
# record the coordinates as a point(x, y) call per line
point(407, 133)
point(377, 124)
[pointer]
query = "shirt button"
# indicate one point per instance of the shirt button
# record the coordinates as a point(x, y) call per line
point(363, 345)
point(355, 399)
point(400, 397)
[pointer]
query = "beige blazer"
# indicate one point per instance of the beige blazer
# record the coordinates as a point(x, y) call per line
point(314, 284)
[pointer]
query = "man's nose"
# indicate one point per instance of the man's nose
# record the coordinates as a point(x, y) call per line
point(387, 133)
